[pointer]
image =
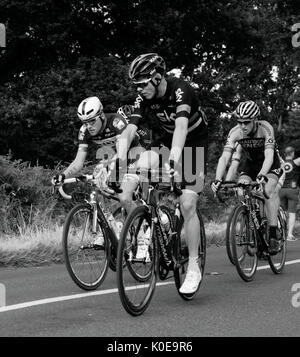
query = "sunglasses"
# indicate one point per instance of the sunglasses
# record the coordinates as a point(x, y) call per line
point(245, 122)
point(142, 83)
point(92, 121)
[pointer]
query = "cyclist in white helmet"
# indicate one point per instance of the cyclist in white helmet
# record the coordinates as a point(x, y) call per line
point(99, 132)
point(254, 139)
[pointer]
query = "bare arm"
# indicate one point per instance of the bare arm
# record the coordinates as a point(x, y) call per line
point(179, 137)
point(222, 164)
point(77, 164)
point(268, 161)
point(125, 140)
point(235, 161)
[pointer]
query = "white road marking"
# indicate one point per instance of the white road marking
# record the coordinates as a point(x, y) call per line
point(96, 293)
point(67, 297)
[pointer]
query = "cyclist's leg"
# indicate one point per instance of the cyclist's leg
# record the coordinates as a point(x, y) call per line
point(192, 187)
point(272, 205)
point(292, 206)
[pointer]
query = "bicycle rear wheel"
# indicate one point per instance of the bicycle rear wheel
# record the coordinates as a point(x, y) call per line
point(277, 261)
point(182, 256)
point(86, 262)
point(136, 278)
point(243, 244)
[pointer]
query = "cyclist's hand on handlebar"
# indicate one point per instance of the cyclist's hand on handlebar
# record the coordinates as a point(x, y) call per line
point(172, 168)
point(215, 185)
point(58, 179)
point(261, 178)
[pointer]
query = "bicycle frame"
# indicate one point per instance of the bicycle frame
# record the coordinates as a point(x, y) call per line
point(257, 218)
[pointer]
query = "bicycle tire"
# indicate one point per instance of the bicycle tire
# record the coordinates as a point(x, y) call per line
point(277, 267)
point(245, 242)
point(134, 305)
point(113, 253)
point(182, 255)
point(86, 280)
point(227, 237)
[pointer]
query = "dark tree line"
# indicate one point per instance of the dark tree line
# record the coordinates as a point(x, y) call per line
point(60, 51)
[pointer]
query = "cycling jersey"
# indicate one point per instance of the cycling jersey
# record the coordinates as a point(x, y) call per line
point(105, 140)
point(171, 106)
point(179, 100)
point(253, 147)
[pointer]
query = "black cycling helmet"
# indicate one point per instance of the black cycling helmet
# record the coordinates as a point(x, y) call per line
point(145, 66)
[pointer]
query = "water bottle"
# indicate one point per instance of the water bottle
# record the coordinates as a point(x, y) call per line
point(164, 221)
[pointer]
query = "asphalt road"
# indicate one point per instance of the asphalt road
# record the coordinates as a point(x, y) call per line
point(44, 301)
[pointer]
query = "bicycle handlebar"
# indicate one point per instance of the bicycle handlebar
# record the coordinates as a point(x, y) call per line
point(162, 185)
point(84, 178)
point(252, 184)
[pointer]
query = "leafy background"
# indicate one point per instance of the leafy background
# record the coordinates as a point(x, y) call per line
point(59, 52)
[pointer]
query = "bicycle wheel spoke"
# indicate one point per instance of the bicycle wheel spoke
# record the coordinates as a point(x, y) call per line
point(86, 264)
point(277, 261)
point(243, 245)
point(136, 269)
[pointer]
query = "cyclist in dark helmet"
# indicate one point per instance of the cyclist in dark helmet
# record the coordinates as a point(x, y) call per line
point(178, 115)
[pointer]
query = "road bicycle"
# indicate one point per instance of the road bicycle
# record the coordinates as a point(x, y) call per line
point(167, 251)
point(87, 262)
point(248, 232)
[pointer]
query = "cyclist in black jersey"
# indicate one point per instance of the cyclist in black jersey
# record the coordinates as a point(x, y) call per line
point(254, 139)
point(289, 193)
point(179, 117)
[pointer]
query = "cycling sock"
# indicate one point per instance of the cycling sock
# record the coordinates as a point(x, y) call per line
point(193, 263)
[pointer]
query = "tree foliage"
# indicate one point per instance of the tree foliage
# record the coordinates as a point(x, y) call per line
point(59, 52)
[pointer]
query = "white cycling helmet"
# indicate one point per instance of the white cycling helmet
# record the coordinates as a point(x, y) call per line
point(248, 110)
point(89, 108)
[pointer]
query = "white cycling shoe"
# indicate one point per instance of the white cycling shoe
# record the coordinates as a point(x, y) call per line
point(191, 282)
point(99, 241)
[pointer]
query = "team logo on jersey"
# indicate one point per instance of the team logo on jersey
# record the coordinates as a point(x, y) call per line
point(137, 103)
point(287, 167)
point(270, 141)
point(118, 123)
point(277, 171)
point(178, 94)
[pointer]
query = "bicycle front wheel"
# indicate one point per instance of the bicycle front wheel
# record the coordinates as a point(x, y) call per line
point(277, 261)
point(243, 244)
point(228, 237)
point(136, 273)
point(182, 256)
point(86, 262)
